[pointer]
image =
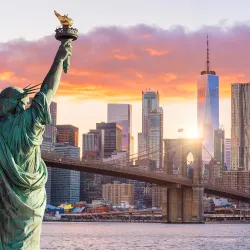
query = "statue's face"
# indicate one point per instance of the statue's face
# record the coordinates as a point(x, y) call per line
point(25, 100)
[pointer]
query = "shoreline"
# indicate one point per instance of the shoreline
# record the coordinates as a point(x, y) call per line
point(155, 222)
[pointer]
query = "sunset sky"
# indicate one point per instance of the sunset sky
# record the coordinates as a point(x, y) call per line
point(125, 47)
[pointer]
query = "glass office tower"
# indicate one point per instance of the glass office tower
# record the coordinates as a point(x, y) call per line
point(150, 101)
point(122, 114)
point(208, 108)
point(150, 141)
point(155, 142)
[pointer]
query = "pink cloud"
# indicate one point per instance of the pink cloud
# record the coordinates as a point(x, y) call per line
point(118, 62)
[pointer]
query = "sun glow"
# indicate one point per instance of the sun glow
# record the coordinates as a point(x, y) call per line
point(192, 132)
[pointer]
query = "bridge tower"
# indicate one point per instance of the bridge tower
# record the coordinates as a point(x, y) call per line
point(183, 204)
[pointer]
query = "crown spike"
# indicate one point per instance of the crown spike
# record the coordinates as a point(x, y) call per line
point(26, 88)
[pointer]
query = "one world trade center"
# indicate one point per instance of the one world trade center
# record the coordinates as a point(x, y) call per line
point(207, 108)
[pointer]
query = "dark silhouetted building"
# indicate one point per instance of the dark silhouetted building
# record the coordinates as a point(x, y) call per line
point(112, 137)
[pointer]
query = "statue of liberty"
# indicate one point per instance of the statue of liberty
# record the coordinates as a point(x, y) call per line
point(23, 173)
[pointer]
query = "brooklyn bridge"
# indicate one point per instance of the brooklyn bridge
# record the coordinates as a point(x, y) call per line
point(182, 199)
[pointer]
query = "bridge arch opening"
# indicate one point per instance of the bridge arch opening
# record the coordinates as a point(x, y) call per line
point(190, 165)
point(190, 158)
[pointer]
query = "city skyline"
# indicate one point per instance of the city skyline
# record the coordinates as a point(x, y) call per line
point(131, 130)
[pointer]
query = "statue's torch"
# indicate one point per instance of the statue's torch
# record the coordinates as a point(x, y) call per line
point(64, 33)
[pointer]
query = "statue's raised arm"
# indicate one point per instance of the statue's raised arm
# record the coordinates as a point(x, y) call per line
point(51, 81)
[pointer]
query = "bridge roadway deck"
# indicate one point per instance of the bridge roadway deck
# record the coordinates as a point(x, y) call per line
point(137, 174)
point(114, 170)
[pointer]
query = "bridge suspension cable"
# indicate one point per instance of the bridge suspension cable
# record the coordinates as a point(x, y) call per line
point(136, 155)
point(212, 158)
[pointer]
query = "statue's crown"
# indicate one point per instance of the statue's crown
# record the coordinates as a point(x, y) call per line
point(17, 93)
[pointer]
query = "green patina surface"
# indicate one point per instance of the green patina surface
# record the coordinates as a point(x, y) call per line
point(23, 173)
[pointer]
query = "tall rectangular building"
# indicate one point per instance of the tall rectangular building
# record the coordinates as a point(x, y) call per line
point(93, 144)
point(207, 107)
point(150, 141)
point(240, 130)
point(155, 138)
point(227, 153)
point(219, 145)
point(67, 133)
point(150, 101)
point(65, 184)
point(92, 149)
point(90, 187)
point(112, 137)
point(122, 114)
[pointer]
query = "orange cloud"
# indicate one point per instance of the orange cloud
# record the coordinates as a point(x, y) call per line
point(120, 57)
point(6, 76)
point(116, 63)
point(154, 52)
point(139, 75)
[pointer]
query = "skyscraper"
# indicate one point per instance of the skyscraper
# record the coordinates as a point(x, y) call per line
point(112, 137)
point(65, 183)
point(150, 101)
point(93, 144)
point(150, 141)
point(240, 132)
point(67, 133)
point(208, 107)
point(122, 114)
point(219, 145)
point(155, 138)
point(93, 149)
point(90, 187)
point(227, 153)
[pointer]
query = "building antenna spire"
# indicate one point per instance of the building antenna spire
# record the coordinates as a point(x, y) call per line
point(208, 70)
point(208, 62)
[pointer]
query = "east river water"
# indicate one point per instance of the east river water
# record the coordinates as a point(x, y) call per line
point(126, 236)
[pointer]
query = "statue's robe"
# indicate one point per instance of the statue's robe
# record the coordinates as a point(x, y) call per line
point(23, 175)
